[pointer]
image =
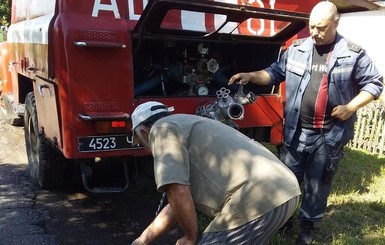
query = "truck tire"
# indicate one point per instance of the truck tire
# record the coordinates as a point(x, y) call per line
point(46, 163)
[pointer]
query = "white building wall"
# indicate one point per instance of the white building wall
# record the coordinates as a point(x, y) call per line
point(366, 29)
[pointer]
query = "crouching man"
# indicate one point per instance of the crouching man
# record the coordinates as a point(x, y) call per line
point(205, 165)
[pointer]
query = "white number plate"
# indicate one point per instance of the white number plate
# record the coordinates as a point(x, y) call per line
point(105, 143)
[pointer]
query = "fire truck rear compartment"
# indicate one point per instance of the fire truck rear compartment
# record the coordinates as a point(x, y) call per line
point(180, 68)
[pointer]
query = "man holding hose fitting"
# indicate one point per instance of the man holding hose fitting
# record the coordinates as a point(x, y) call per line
point(328, 78)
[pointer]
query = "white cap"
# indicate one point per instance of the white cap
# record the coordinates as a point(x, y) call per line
point(144, 111)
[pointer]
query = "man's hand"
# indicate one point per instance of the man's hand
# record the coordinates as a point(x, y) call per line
point(184, 241)
point(241, 78)
point(342, 112)
point(261, 77)
point(137, 242)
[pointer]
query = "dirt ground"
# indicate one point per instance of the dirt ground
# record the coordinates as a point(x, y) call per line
point(31, 216)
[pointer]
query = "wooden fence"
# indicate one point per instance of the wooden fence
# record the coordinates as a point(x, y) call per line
point(369, 132)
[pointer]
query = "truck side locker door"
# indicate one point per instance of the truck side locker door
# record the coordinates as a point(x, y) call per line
point(46, 104)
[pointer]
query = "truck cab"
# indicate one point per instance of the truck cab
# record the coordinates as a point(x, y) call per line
point(79, 68)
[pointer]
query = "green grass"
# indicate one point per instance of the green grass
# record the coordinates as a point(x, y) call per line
point(356, 205)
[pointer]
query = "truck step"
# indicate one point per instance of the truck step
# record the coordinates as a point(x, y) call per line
point(88, 172)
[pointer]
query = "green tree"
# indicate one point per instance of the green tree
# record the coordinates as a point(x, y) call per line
point(5, 12)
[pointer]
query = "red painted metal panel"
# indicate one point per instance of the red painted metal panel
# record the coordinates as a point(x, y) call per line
point(96, 79)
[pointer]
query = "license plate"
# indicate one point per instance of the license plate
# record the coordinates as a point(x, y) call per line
point(105, 143)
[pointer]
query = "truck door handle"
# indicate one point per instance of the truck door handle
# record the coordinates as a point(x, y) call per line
point(99, 44)
point(40, 88)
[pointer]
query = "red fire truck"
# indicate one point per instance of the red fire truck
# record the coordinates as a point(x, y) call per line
point(73, 71)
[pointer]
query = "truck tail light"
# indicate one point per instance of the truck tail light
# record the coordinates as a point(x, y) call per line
point(118, 124)
point(108, 127)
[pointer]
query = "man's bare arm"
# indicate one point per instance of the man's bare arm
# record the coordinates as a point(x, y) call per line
point(164, 222)
point(183, 208)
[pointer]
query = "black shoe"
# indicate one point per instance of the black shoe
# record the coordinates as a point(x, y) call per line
point(304, 237)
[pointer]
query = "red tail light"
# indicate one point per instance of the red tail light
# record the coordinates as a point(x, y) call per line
point(118, 124)
point(112, 127)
